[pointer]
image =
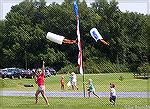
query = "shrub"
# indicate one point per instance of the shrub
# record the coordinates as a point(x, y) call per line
point(68, 69)
point(144, 70)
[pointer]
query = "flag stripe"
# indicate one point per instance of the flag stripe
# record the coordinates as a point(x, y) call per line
point(79, 41)
point(80, 49)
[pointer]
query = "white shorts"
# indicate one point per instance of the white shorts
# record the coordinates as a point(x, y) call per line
point(74, 82)
point(69, 84)
point(41, 88)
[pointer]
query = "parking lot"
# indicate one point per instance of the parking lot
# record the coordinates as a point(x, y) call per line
point(23, 73)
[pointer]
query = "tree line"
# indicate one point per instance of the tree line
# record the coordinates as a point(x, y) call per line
point(23, 40)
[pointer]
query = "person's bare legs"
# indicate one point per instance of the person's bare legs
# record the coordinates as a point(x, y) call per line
point(76, 87)
point(72, 87)
point(36, 96)
point(89, 93)
point(44, 96)
point(62, 87)
point(95, 94)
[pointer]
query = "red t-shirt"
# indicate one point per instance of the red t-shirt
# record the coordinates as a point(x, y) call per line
point(62, 81)
point(40, 79)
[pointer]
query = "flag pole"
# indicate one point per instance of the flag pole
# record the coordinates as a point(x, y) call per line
point(80, 63)
point(83, 85)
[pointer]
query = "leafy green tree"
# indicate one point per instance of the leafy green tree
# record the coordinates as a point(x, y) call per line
point(24, 44)
point(2, 24)
point(148, 36)
point(22, 34)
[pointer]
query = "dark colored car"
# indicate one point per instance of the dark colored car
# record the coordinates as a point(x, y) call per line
point(51, 71)
point(12, 73)
point(27, 74)
point(47, 73)
point(1, 72)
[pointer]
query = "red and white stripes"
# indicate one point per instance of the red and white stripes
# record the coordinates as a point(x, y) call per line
point(80, 48)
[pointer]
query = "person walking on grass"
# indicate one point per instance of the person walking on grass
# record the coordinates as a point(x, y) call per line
point(112, 94)
point(62, 83)
point(91, 88)
point(74, 81)
point(39, 80)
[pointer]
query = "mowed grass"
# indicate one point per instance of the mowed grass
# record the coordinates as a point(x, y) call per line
point(101, 83)
point(72, 103)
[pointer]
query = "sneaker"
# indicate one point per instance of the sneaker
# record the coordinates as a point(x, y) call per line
point(113, 103)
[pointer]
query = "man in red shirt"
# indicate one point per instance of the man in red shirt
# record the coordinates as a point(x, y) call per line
point(39, 79)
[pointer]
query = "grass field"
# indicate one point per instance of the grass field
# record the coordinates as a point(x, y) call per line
point(101, 83)
point(72, 103)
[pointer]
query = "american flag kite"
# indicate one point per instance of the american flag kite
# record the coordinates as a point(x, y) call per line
point(79, 41)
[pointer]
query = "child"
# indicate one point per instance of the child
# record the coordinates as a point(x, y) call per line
point(62, 83)
point(91, 88)
point(74, 81)
point(112, 94)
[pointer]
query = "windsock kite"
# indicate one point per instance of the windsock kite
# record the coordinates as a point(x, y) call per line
point(96, 35)
point(55, 38)
point(59, 39)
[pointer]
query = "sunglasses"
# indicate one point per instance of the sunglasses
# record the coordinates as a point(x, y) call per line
point(40, 71)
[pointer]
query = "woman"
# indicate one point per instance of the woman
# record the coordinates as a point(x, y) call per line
point(39, 80)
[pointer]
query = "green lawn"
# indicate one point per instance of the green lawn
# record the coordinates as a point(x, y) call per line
point(101, 83)
point(72, 103)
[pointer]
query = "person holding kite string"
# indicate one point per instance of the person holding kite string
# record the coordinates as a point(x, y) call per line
point(39, 80)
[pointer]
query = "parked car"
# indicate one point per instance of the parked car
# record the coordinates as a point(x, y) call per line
point(12, 73)
point(47, 73)
point(51, 71)
point(27, 74)
point(2, 71)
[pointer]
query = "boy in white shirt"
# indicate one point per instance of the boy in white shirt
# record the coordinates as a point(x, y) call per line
point(112, 94)
point(74, 80)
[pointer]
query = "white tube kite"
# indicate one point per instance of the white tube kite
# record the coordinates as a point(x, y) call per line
point(95, 34)
point(55, 38)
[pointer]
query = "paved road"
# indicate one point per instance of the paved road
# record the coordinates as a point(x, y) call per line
point(77, 94)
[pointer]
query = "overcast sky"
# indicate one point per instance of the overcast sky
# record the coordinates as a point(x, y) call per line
point(140, 6)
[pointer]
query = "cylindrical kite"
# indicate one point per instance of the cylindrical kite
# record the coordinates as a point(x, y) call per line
point(55, 38)
point(59, 39)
